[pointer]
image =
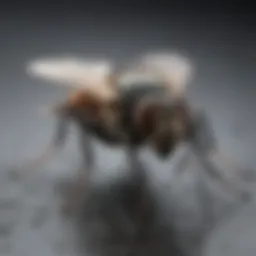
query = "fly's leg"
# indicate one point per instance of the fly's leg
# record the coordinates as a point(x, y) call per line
point(214, 172)
point(78, 189)
point(204, 145)
point(245, 174)
point(49, 153)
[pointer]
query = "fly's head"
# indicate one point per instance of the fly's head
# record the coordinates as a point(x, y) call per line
point(165, 125)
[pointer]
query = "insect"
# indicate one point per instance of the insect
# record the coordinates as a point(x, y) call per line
point(142, 103)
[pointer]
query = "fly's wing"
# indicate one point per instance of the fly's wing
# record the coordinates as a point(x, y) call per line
point(90, 75)
point(173, 69)
point(93, 75)
point(98, 75)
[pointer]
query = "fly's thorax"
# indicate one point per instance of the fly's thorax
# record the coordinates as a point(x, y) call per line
point(90, 111)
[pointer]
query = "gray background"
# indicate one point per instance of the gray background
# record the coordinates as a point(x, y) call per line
point(221, 43)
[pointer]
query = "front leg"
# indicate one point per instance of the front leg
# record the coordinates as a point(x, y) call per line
point(56, 144)
point(79, 187)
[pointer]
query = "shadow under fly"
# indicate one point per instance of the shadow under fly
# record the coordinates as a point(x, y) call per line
point(124, 218)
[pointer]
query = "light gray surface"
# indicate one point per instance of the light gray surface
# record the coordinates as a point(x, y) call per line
point(224, 86)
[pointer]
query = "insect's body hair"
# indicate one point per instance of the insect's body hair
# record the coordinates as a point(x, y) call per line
point(93, 115)
point(131, 119)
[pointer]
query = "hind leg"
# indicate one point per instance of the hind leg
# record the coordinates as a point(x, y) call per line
point(205, 147)
point(226, 183)
point(245, 174)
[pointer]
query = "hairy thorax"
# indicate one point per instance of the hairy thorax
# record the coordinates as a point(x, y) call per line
point(140, 115)
point(95, 116)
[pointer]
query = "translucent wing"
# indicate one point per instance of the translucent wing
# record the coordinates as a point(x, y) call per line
point(173, 69)
point(90, 74)
point(129, 78)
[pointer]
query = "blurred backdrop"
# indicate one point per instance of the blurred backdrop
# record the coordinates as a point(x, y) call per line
point(220, 39)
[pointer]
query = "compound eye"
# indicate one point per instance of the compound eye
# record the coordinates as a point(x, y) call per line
point(76, 99)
